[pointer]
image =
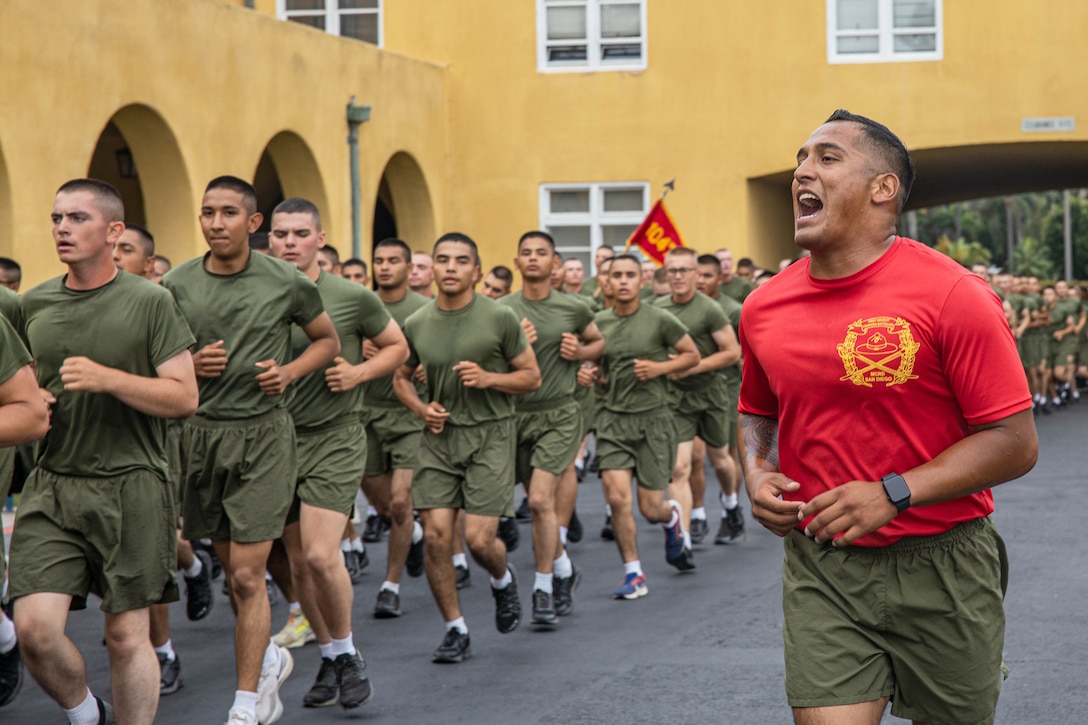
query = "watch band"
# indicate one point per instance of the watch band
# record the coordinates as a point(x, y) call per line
point(897, 491)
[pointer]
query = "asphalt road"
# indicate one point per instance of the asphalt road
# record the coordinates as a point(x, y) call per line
point(702, 647)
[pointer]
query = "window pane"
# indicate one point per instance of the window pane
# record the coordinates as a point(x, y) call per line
point(358, 4)
point(915, 43)
point(616, 235)
point(361, 26)
point(566, 23)
point(625, 53)
point(305, 5)
point(856, 15)
point(314, 21)
point(858, 44)
point(574, 237)
point(623, 200)
point(914, 14)
point(620, 21)
point(573, 201)
point(569, 53)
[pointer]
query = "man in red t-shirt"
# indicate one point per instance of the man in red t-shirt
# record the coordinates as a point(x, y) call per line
point(870, 444)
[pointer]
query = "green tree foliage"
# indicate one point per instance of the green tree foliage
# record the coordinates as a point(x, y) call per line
point(964, 252)
point(1030, 259)
point(1053, 237)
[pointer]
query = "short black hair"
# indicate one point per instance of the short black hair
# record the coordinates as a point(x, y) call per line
point(259, 241)
point(107, 197)
point(631, 257)
point(298, 205)
point(504, 274)
point(146, 240)
point(537, 234)
point(460, 238)
point(10, 265)
point(711, 260)
point(165, 260)
point(355, 261)
point(888, 146)
point(243, 187)
point(399, 244)
point(332, 252)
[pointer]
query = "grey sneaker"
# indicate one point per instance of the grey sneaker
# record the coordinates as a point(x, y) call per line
point(507, 604)
point(563, 589)
point(325, 687)
point(169, 674)
point(355, 689)
point(544, 609)
point(388, 605)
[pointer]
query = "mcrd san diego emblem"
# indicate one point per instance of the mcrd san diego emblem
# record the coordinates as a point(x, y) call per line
point(879, 350)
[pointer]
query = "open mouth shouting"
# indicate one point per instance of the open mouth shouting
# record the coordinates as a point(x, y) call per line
point(809, 206)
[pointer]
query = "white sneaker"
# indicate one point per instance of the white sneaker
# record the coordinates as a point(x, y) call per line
point(269, 704)
point(240, 717)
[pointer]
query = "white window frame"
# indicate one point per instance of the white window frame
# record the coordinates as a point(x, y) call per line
point(886, 34)
point(593, 63)
point(332, 14)
point(595, 218)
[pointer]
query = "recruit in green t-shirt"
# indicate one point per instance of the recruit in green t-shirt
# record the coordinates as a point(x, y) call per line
point(738, 288)
point(130, 324)
point(356, 313)
point(252, 312)
point(483, 332)
point(703, 317)
point(646, 334)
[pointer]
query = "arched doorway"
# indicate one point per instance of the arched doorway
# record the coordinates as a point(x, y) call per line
point(287, 168)
point(138, 153)
point(403, 205)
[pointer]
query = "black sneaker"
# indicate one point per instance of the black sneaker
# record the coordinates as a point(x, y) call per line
point(372, 533)
point(699, 530)
point(208, 548)
point(464, 576)
point(732, 528)
point(169, 674)
point(574, 530)
point(606, 530)
point(685, 561)
point(523, 513)
point(11, 675)
point(198, 589)
point(544, 609)
point(355, 689)
point(454, 648)
point(508, 532)
point(563, 591)
point(507, 604)
point(325, 687)
point(105, 712)
point(414, 564)
point(388, 605)
point(352, 560)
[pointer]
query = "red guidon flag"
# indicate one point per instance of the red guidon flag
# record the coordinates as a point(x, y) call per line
point(657, 234)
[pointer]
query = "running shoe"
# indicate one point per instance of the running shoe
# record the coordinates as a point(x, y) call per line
point(324, 690)
point(388, 605)
point(606, 530)
point(464, 576)
point(198, 589)
point(633, 587)
point(523, 513)
point(169, 674)
point(355, 561)
point(11, 675)
point(455, 647)
point(563, 589)
point(269, 704)
point(296, 632)
point(732, 528)
point(699, 530)
point(372, 533)
point(574, 530)
point(674, 542)
point(544, 609)
point(507, 604)
point(508, 532)
point(240, 717)
point(355, 689)
point(105, 712)
point(414, 564)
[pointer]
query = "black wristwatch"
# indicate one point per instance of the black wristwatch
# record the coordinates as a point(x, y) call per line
point(898, 492)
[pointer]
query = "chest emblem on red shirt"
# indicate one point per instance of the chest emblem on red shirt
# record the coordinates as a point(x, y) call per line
point(878, 350)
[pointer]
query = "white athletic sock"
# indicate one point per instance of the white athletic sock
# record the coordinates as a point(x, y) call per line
point(85, 713)
point(326, 651)
point(563, 535)
point(357, 545)
point(294, 607)
point(730, 501)
point(562, 567)
point(687, 539)
point(504, 582)
point(672, 519)
point(458, 624)
point(194, 571)
point(542, 583)
point(345, 545)
point(632, 567)
point(699, 513)
point(7, 634)
point(417, 532)
point(246, 701)
point(168, 650)
point(391, 586)
point(271, 656)
point(344, 646)
point(460, 560)
point(607, 510)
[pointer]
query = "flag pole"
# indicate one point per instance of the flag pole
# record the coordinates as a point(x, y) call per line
point(670, 185)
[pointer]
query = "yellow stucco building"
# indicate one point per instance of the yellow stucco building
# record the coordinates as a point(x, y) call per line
point(493, 117)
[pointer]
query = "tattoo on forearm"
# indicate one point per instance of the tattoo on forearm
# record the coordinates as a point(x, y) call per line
point(760, 439)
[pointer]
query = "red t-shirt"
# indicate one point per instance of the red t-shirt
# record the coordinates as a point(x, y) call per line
point(879, 372)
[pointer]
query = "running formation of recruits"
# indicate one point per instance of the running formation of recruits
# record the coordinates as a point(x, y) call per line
point(238, 401)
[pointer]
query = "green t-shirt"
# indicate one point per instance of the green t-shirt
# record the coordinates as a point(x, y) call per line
point(130, 324)
point(731, 308)
point(558, 313)
point(252, 312)
point(646, 334)
point(703, 317)
point(1030, 304)
point(1061, 311)
point(738, 288)
point(13, 354)
point(11, 308)
point(356, 313)
point(589, 287)
point(380, 390)
point(483, 332)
